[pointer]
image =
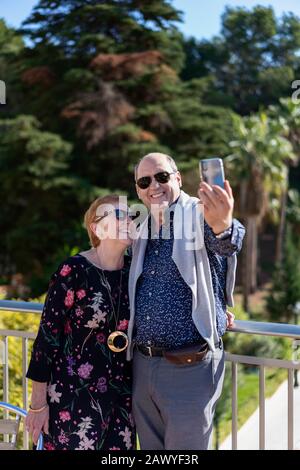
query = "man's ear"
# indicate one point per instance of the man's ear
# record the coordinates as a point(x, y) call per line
point(179, 179)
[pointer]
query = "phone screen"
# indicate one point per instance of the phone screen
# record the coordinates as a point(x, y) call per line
point(212, 171)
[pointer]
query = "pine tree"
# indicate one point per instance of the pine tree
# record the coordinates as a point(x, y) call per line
point(41, 202)
point(99, 88)
point(83, 29)
point(113, 69)
point(11, 46)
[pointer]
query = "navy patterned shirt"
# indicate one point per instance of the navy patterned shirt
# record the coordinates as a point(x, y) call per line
point(163, 309)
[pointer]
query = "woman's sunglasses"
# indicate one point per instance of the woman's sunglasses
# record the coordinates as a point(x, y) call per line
point(161, 177)
point(120, 215)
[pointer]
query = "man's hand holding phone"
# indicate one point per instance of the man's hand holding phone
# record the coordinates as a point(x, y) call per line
point(218, 205)
point(218, 202)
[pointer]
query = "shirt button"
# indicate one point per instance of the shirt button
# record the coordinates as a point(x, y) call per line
point(150, 293)
point(148, 318)
point(152, 272)
point(148, 342)
point(156, 252)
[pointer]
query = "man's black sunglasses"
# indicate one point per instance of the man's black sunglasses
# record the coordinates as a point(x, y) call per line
point(120, 214)
point(161, 177)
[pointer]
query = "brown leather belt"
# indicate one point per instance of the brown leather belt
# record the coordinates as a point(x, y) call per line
point(189, 355)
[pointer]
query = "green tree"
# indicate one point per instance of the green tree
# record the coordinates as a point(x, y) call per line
point(100, 87)
point(289, 112)
point(83, 29)
point(11, 46)
point(285, 291)
point(293, 210)
point(113, 70)
point(258, 166)
point(42, 204)
point(252, 63)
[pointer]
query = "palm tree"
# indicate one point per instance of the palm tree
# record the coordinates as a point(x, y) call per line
point(290, 112)
point(258, 166)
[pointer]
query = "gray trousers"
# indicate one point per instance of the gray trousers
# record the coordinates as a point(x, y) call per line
point(173, 405)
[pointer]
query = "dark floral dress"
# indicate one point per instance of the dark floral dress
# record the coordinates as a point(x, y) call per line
point(89, 386)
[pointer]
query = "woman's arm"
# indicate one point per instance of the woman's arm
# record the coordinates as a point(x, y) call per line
point(59, 302)
point(38, 395)
point(37, 419)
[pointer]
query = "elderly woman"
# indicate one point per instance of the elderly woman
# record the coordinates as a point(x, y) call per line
point(81, 393)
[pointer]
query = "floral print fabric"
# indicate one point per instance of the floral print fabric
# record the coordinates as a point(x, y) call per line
point(89, 386)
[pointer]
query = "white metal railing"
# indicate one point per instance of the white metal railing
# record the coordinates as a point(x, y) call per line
point(20, 307)
point(249, 327)
point(282, 330)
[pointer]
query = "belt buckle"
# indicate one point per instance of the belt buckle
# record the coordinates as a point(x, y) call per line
point(149, 350)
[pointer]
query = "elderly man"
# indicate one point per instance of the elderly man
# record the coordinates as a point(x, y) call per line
point(178, 289)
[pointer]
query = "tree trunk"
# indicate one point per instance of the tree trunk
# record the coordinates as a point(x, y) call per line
point(253, 281)
point(249, 259)
point(281, 227)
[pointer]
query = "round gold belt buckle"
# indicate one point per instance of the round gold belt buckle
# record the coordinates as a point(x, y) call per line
point(111, 341)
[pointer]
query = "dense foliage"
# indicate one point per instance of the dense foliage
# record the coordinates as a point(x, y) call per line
point(93, 86)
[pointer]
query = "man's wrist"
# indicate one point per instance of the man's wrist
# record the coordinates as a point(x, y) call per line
point(219, 229)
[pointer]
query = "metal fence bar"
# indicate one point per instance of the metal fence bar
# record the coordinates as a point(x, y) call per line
point(290, 409)
point(234, 404)
point(283, 330)
point(240, 326)
point(18, 334)
point(21, 307)
point(5, 370)
point(25, 387)
point(263, 361)
point(5, 381)
point(248, 327)
point(262, 410)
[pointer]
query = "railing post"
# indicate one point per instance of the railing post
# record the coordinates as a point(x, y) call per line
point(25, 387)
point(234, 388)
point(290, 410)
point(262, 411)
point(246, 327)
point(5, 381)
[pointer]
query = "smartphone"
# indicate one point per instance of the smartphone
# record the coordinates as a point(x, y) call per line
point(212, 171)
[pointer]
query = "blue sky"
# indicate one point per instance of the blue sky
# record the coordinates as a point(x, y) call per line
point(202, 18)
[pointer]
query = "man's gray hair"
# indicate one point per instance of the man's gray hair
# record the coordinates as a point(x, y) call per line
point(156, 154)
